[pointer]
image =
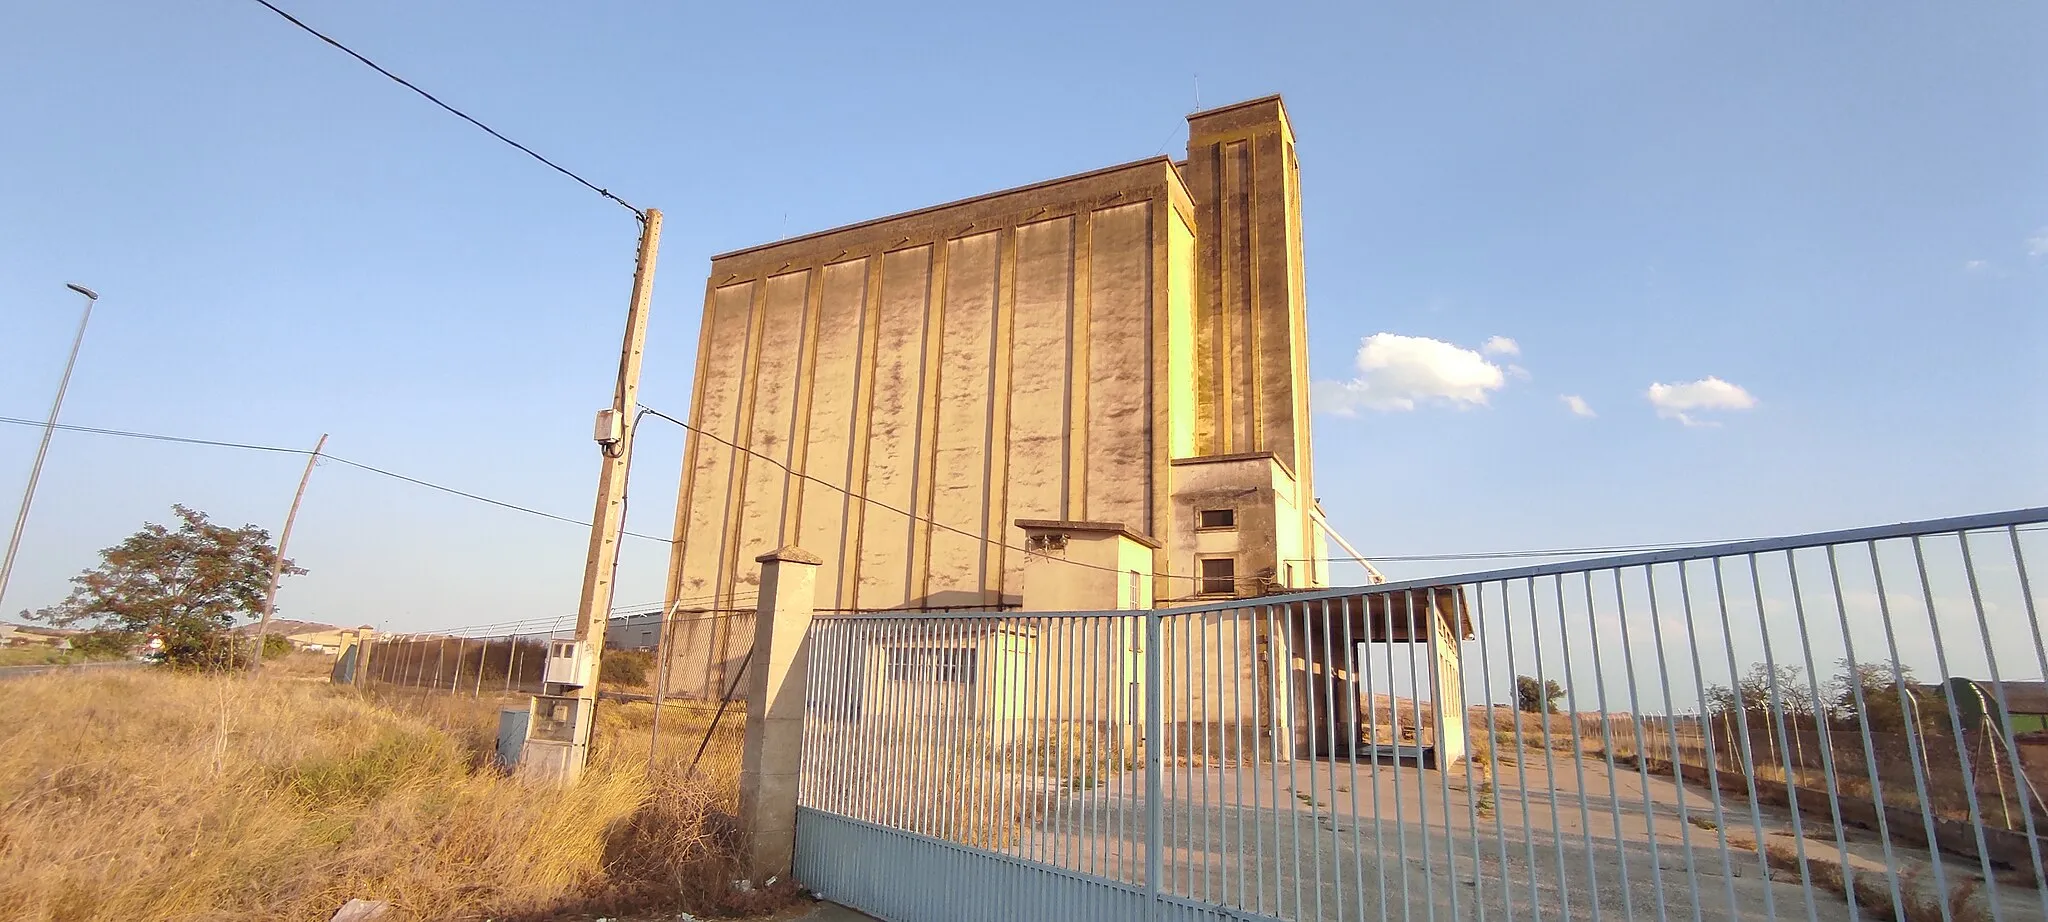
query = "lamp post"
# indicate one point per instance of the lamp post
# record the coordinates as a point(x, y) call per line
point(49, 428)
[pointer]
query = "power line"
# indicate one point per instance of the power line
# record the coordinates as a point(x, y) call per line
point(1565, 551)
point(482, 499)
point(1512, 555)
point(618, 611)
point(247, 446)
point(553, 625)
point(918, 518)
point(1488, 555)
point(401, 81)
point(905, 513)
point(157, 437)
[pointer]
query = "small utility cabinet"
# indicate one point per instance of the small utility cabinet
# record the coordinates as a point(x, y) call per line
point(554, 729)
point(512, 724)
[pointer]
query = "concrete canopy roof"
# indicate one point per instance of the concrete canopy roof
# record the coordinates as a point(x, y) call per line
point(1383, 616)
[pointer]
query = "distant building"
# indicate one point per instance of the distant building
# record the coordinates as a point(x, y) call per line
point(310, 636)
point(23, 635)
point(1088, 393)
point(634, 632)
point(2025, 707)
point(324, 640)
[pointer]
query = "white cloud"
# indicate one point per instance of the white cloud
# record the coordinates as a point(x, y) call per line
point(1711, 394)
point(1501, 345)
point(1398, 372)
point(1576, 404)
point(2037, 245)
point(1976, 265)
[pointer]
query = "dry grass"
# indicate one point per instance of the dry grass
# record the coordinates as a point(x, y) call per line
point(979, 788)
point(41, 655)
point(152, 796)
point(1081, 755)
point(301, 664)
point(32, 656)
point(1922, 901)
point(972, 792)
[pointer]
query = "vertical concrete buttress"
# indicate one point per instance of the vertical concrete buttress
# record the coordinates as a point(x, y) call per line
point(1250, 314)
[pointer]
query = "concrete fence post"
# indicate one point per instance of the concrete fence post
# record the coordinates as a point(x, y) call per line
point(775, 710)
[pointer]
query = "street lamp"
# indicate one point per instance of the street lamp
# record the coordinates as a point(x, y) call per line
point(49, 428)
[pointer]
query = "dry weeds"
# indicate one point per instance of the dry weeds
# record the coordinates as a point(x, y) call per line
point(1922, 900)
point(151, 796)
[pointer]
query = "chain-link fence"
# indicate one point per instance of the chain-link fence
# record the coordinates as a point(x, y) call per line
point(467, 681)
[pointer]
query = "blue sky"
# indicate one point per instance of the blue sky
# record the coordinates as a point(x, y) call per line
point(1843, 212)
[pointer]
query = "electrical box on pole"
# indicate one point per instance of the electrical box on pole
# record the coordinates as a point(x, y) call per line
point(558, 731)
point(611, 429)
point(564, 665)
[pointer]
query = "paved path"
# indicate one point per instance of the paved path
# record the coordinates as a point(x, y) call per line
point(832, 912)
point(1284, 864)
point(1559, 838)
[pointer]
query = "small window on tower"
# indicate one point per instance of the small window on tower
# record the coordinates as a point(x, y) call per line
point(1219, 518)
point(1219, 576)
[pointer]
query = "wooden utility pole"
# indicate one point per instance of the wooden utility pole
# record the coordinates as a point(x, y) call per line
point(277, 565)
point(615, 439)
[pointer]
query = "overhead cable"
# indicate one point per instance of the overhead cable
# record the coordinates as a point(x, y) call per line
point(157, 437)
point(493, 132)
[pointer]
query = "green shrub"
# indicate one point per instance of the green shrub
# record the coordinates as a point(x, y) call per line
point(103, 644)
point(199, 648)
point(625, 667)
point(274, 646)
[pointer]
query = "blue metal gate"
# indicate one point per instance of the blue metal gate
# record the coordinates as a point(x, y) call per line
point(1763, 729)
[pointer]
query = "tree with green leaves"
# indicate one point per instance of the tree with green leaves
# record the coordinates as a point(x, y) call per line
point(1534, 697)
point(104, 644)
point(1764, 692)
point(183, 588)
point(1877, 690)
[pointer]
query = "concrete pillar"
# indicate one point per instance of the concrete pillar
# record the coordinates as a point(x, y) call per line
point(775, 710)
point(1278, 685)
point(1326, 691)
point(1316, 684)
point(1447, 672)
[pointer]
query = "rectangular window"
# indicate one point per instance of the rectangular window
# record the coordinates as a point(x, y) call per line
point(1137, 596)
point(1219, 518)
point(1288, 579)
point(931, 664)
point(1219, 576)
